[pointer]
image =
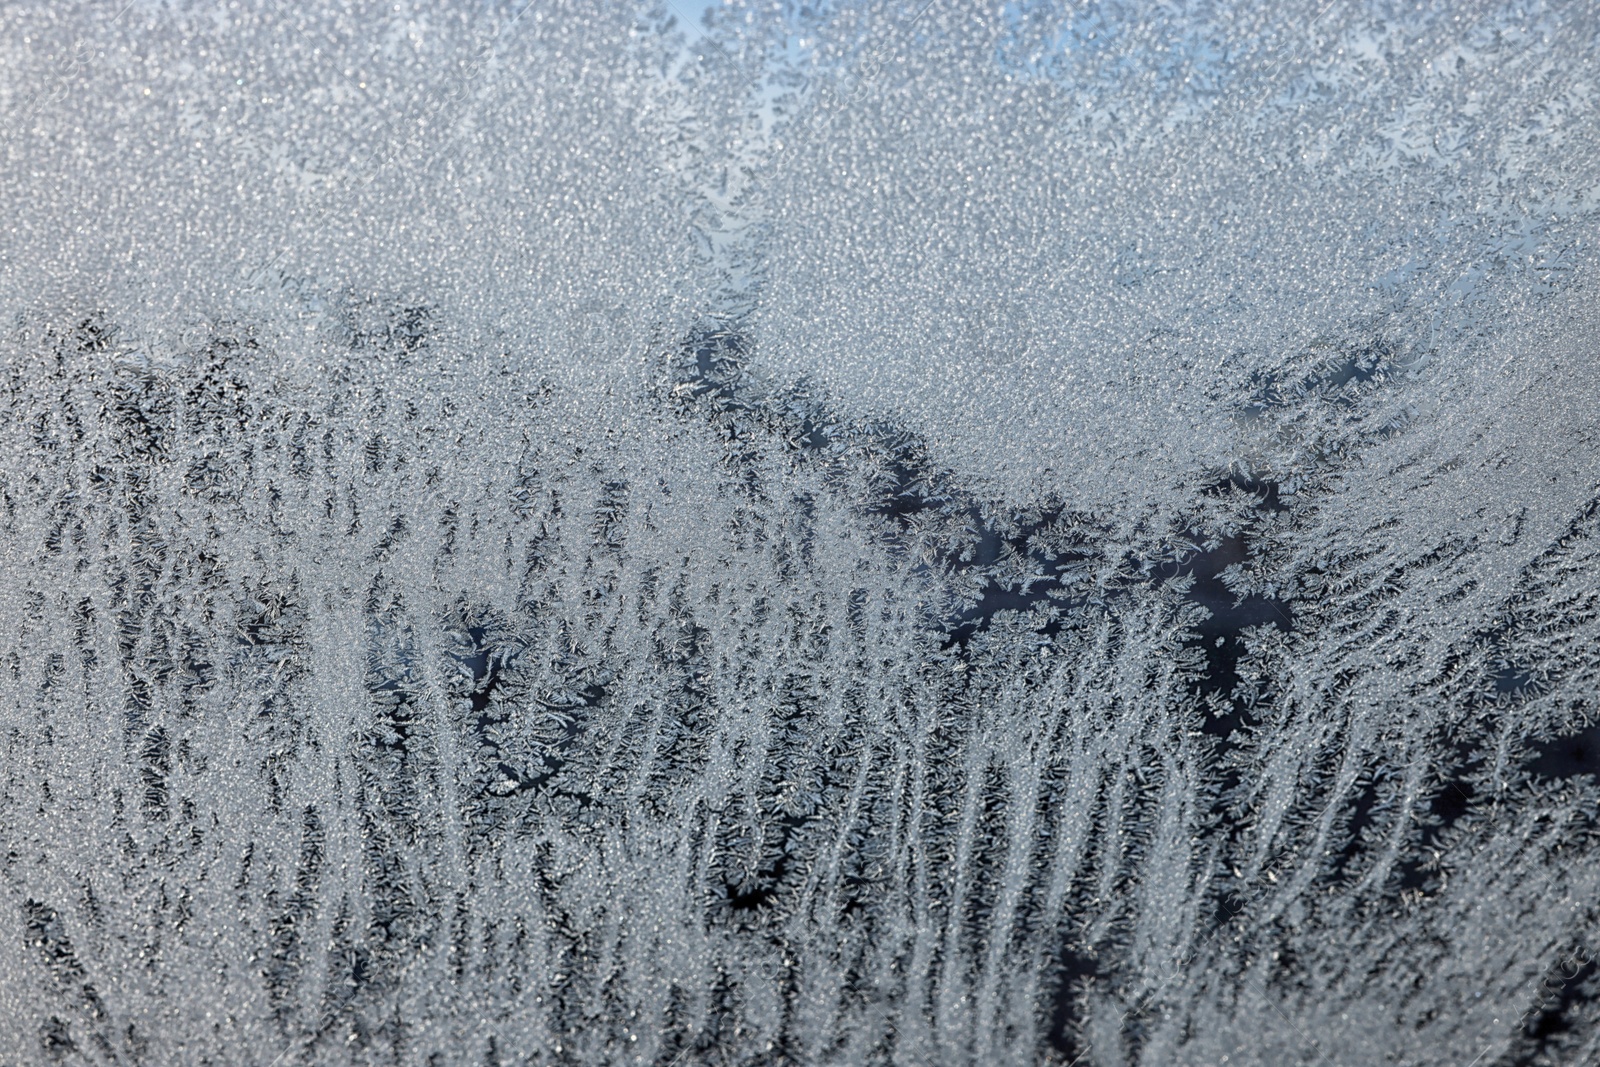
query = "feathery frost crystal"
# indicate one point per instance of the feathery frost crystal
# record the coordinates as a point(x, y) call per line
point(871, 532)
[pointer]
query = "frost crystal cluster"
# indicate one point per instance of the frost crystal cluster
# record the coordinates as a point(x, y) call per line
point(860, 532)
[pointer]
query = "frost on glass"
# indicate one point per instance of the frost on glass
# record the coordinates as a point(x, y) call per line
point(904, 533)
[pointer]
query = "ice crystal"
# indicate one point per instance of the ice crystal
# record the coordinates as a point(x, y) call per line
point(879, 532)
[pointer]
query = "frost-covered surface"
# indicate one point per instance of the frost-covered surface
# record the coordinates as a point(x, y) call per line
point(886, 533)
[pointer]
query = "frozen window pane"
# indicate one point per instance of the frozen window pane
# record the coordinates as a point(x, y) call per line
point(875, 532)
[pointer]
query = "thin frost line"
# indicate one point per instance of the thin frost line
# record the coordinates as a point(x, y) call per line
point(723, 1016)
point(327, 1020)
point(1146, 998)
point(878, 1009)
